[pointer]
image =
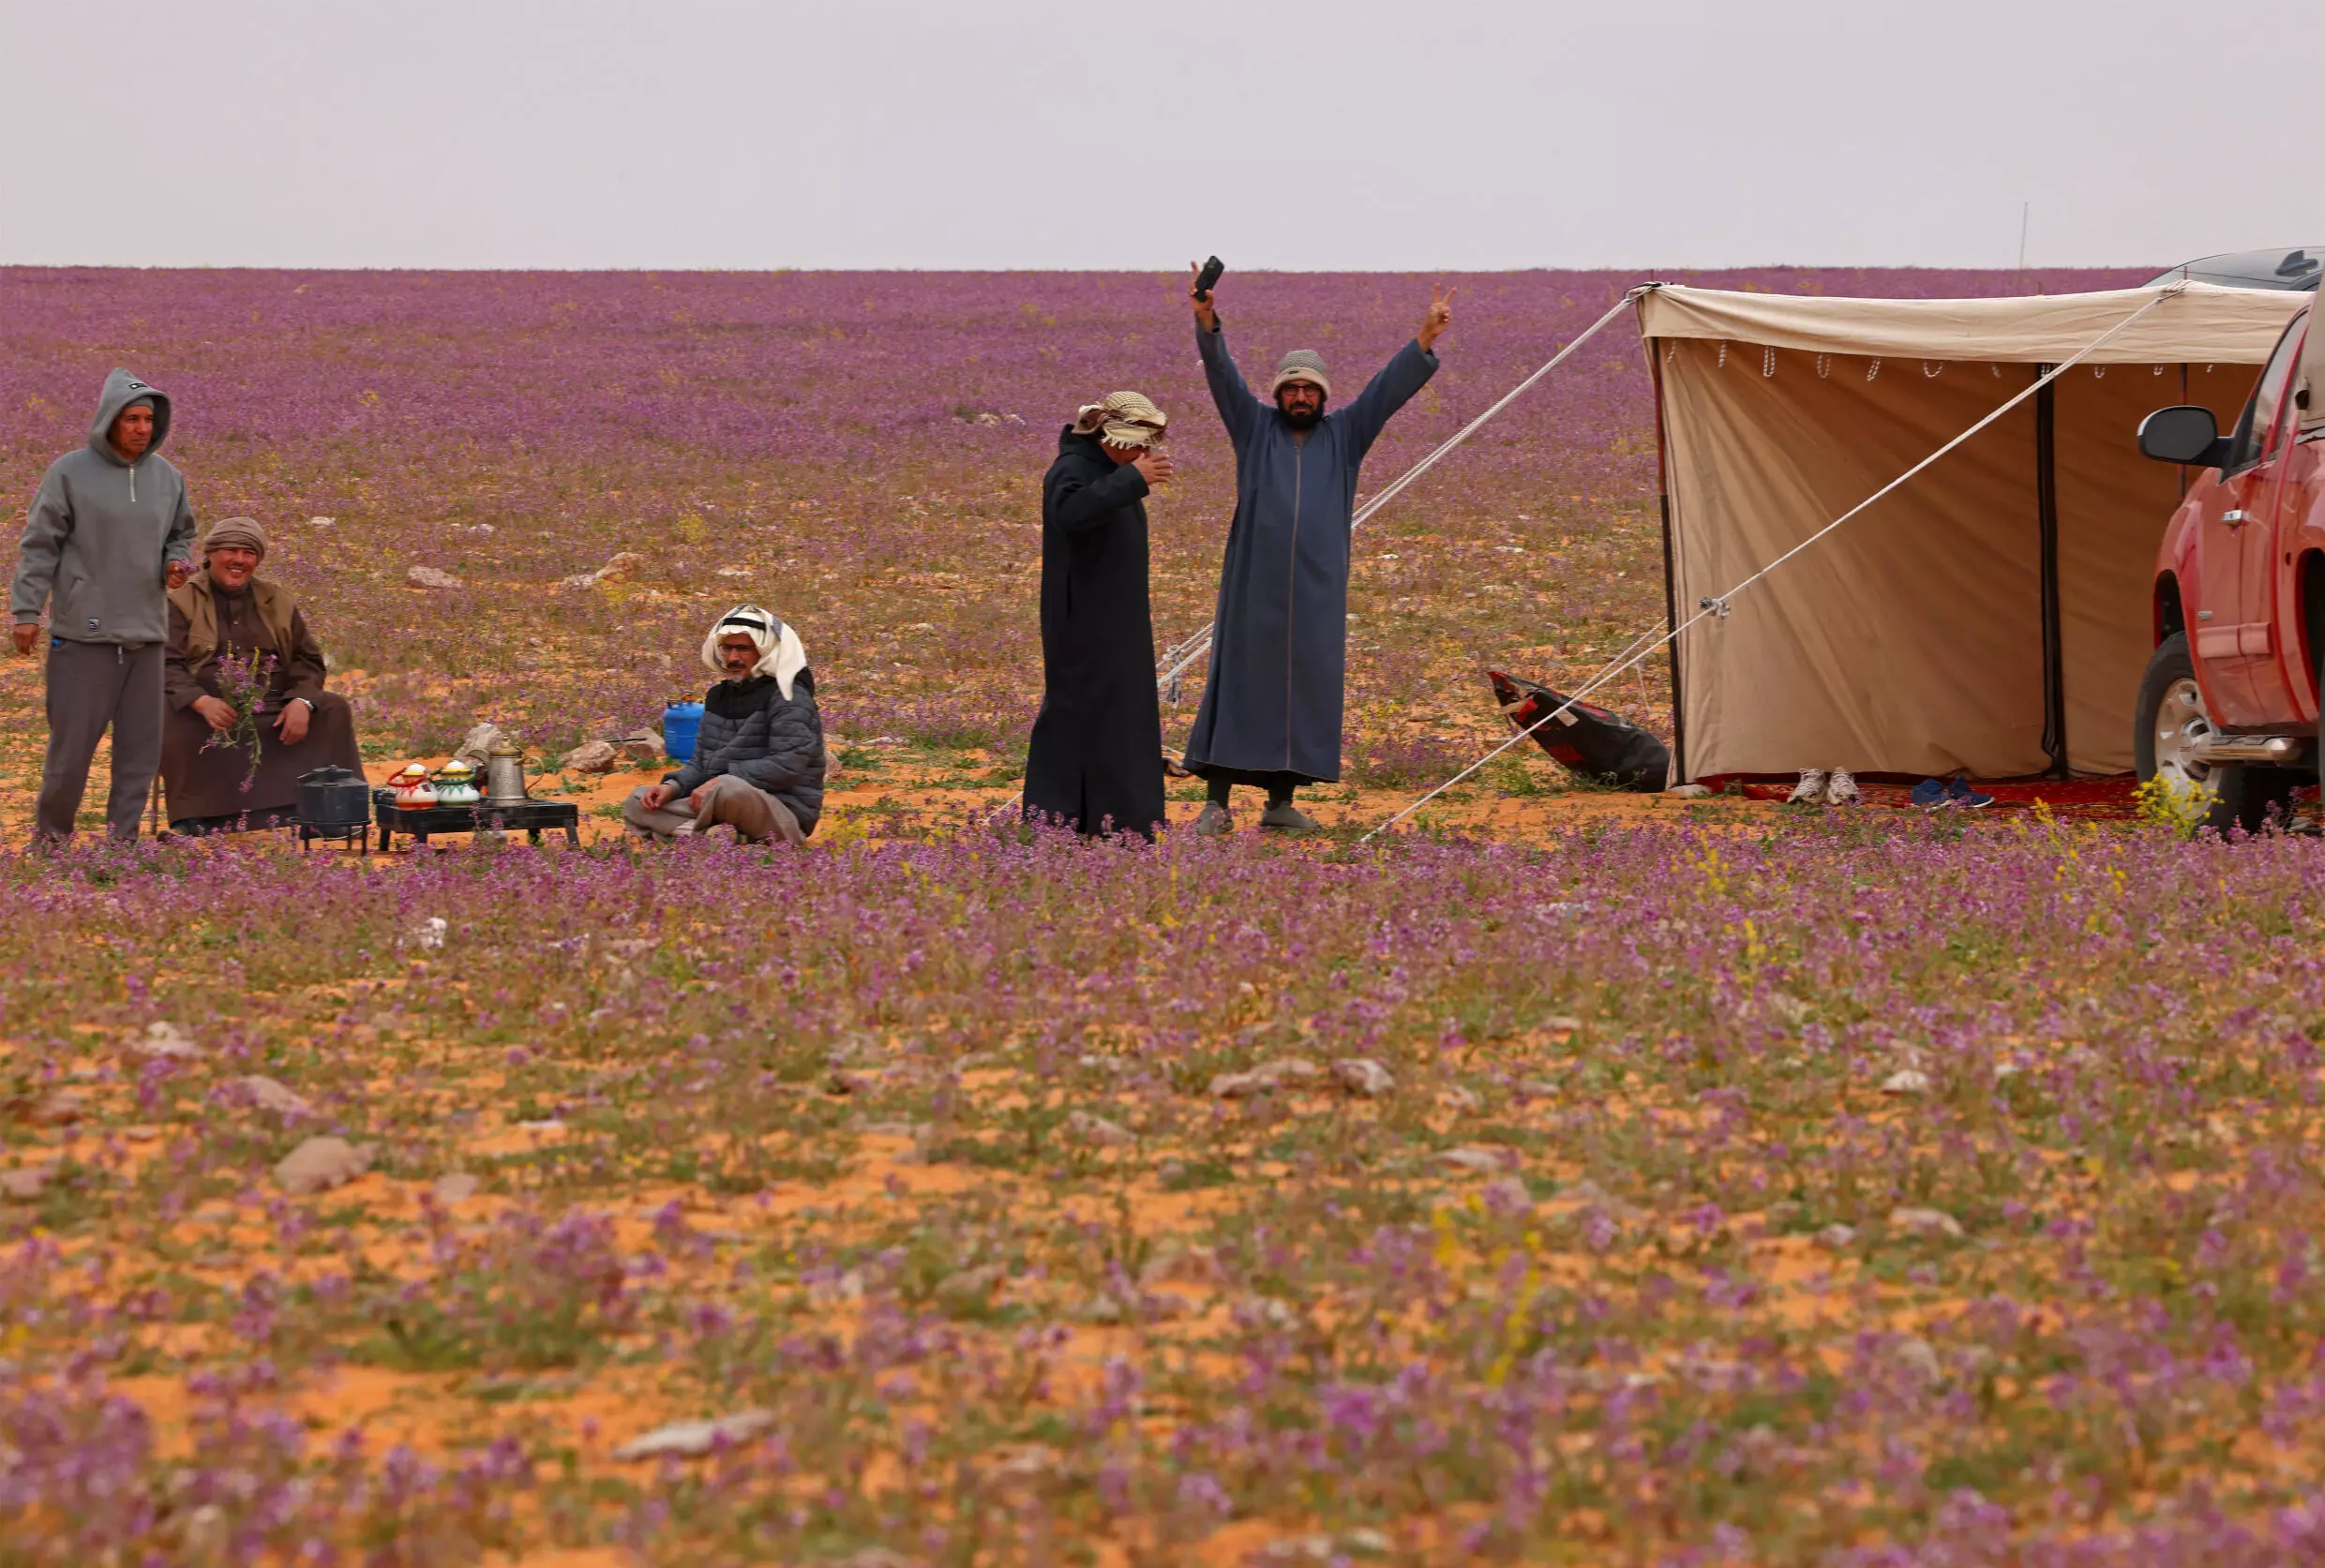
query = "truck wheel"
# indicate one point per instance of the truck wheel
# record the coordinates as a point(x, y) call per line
point(2173, 725)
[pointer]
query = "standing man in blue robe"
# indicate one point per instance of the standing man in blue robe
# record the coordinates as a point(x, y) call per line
point(1271, 708)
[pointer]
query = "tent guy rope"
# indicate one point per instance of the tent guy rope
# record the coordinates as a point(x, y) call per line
point(1181, 658)
point(1718, 606)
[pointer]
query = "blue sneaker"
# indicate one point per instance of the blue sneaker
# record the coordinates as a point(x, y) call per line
point(1930, 795)
point(1958, 793)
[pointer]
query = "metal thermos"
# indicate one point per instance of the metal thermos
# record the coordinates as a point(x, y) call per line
point(504, 775)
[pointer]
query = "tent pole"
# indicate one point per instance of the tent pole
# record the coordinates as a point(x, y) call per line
point(2047, 507)
point(1670, 587)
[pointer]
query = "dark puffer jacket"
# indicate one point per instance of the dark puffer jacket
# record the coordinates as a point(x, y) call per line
point(751, 730)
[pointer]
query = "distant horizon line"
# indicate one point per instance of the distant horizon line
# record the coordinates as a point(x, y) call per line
point(1002, 271)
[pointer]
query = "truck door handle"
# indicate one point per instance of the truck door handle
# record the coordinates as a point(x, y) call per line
point(2233, 517)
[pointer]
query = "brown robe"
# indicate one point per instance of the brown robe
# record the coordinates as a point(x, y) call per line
point(203, 782)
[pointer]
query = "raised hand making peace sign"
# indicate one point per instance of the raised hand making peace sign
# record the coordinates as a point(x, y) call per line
point(1440, 314)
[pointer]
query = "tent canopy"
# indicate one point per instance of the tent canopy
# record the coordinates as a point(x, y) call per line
point(1992, 617)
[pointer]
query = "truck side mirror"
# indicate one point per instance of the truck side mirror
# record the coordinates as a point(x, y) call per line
point(2185, 433)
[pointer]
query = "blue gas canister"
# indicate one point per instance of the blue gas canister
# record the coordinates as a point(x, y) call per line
point(679, 721)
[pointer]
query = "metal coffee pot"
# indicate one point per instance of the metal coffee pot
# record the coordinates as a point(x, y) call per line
point(504, 775)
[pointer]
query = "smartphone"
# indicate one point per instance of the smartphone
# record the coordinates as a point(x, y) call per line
point(1213, 270)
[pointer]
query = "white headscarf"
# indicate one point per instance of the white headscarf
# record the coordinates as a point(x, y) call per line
point(780, 653)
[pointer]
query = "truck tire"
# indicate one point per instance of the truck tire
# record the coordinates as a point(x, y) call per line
point(2172, 720)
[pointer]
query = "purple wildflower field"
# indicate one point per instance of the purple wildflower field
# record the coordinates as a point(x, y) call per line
point(1714, 1184)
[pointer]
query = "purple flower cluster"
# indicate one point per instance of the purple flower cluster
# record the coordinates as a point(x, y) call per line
point(1881, 1191)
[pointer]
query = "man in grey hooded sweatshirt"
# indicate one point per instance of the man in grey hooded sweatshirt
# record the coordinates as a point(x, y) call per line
point(110, 533)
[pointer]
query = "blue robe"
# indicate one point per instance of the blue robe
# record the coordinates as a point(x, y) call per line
point(1280, 647)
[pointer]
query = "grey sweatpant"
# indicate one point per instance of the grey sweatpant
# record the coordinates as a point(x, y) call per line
point(93, 685)
point(755, 815)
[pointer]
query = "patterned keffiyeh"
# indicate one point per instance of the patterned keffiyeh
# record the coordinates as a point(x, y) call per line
point(1122, 419)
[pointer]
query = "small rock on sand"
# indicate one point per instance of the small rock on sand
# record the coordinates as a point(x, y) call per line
point(268, 1094)
point(1364, 1077)
point(969, 1287)
point(1921, 1356)
point(688, 1440)
point(1098, 1130)
point(22, 1186)
point(1265, 1077)
point(57, 1108)
point(476, 746)
point(592, 757)
point(163, 1038)
point(1476, 1159)
point(429, 577)
point(642, 747)
point(319, 1164)
point(618, 566)
point(874, 1556)
point(1925, 1224)
point(1906, 1081)
point(455, 1187)
point(1836, 1238)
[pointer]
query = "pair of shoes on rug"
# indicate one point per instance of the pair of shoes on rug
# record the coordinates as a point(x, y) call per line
point(1932, 795)
point(1818, 787)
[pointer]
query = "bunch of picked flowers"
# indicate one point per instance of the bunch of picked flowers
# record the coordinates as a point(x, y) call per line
point(242, 686)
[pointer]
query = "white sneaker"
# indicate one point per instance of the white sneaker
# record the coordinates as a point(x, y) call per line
point(1811, 790)
point(1841, 788)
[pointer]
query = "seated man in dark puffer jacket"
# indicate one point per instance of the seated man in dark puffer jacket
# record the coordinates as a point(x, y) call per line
point(758, 757)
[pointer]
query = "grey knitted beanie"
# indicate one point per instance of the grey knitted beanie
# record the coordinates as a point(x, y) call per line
point(1301, 365)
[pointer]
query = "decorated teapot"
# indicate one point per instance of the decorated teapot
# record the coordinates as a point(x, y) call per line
point(411, 786)
point(455, 784)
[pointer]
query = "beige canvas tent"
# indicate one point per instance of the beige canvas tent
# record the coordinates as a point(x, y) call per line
point(1994, 615)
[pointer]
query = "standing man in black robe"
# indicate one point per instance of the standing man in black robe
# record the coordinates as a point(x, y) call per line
point(1096, 760)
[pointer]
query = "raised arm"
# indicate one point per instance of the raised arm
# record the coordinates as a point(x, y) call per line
point(1238, 411)
point(1401, 377)
point(1385, 393)
point(1078, 505)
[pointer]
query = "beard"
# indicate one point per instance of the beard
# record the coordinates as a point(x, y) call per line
point(1302, 419)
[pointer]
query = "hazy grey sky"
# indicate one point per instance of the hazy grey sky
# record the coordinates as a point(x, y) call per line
point(1012, 133)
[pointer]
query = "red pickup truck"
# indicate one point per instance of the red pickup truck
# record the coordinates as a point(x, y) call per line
point(2229, 701)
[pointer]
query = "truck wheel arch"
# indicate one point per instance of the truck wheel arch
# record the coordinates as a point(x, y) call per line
point(2169, 616)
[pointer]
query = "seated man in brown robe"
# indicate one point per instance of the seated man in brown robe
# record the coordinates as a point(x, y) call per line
point(225, 611)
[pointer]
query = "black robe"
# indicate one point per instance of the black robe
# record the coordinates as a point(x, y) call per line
point(1096, 760)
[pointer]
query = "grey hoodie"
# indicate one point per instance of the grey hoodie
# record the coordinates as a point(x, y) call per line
point(102, 533)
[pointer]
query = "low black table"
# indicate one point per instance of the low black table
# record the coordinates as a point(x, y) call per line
point(418, 822)
point(358, 834)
